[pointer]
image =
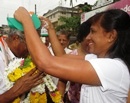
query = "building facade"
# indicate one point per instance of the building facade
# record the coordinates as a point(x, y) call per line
point(56, 13)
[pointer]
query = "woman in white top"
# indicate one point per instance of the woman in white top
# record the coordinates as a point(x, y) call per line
point(105, 78)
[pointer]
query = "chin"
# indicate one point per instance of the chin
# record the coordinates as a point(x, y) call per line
point(91, 51)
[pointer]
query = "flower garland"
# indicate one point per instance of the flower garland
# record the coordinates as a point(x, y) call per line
point(19, 67)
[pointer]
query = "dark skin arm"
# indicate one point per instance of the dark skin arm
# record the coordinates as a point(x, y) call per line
point(23, 85)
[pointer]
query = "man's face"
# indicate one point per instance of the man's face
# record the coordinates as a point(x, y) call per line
point(23, 51)
point(19, 47)
point(63, 40)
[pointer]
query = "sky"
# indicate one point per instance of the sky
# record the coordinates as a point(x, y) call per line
point(8, 7)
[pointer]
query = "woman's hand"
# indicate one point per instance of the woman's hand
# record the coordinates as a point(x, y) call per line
point(21, 14)
point(46, 23)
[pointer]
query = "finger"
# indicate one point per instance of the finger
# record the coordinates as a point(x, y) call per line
point(39, 70)
point(38, 82)
point(31, 72)
point(41, 17)
point(45, 19)
point(36, 75)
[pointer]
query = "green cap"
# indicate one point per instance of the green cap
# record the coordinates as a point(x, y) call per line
point(13, 23)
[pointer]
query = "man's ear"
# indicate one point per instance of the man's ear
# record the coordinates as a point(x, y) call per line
point(112, 36)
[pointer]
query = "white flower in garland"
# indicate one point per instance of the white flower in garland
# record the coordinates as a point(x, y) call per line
point(12, 65)
point(20, 67)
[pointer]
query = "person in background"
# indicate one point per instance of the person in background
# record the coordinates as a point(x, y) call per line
point(105, 78)
point(64, 38)
point(11, 47)
point(47, 41)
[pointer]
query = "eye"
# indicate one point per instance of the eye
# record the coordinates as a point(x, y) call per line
point(92, 31)
point(65, 40)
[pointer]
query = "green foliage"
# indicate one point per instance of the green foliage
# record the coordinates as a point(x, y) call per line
point(69, 23)
point(86, 8)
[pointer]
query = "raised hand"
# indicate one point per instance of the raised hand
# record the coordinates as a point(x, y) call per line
point(21, 14)
point(46, 23)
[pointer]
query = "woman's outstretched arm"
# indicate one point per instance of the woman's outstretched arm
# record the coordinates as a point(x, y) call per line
point(65, 68)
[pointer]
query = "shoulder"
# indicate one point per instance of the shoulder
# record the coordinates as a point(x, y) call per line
point(111, 72)
point(108, 63)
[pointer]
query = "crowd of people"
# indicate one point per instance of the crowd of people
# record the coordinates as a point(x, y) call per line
point(98, 70)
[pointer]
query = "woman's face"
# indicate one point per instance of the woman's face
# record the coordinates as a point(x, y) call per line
point(98, 40)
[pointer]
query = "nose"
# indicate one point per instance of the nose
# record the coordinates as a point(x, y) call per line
point(88, 37)
point(61, 41)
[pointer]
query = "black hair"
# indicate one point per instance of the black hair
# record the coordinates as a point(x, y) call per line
point(84, 30)
point(119, 20)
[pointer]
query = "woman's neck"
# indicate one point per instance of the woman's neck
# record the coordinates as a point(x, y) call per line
point(81, 51)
